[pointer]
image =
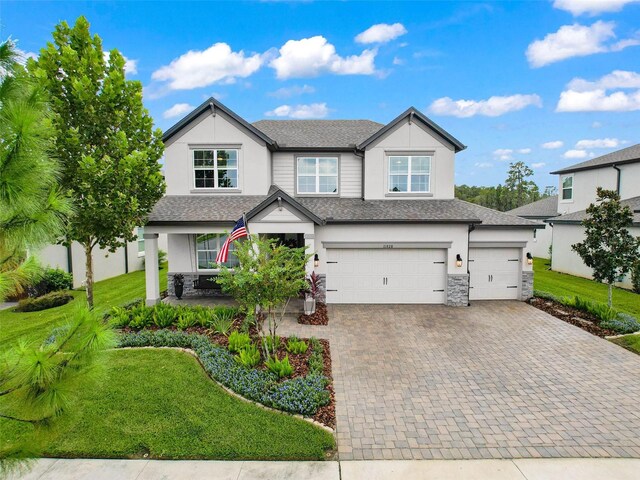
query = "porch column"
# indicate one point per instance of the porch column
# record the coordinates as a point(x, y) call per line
point(310, 243)
point(152, 274)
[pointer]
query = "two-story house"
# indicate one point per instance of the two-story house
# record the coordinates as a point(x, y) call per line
point(373, 203)
point(577, 185)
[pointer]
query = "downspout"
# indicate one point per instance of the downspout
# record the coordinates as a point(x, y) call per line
point(126, 257)
point(69, 260)
point(361, 155)
point(472, 227)
point(617, 169)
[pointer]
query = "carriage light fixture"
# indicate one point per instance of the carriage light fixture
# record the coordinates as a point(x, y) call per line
point(529, 258)
point(458, 260)
point(316, 260)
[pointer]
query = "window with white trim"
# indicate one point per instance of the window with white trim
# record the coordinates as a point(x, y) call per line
point(409, 174)
point(207, 248)
point(141, 241)
point(215, 168)
point(317, 175)
point(567, 188)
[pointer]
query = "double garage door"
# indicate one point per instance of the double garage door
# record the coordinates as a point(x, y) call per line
point(417, 275)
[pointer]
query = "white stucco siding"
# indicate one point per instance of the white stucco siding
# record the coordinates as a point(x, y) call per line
point(539, 246)
point(585, 184)
point(181, 253)
point(409, 138)
point(565, 260)
point(254, 168)
point(630, 180)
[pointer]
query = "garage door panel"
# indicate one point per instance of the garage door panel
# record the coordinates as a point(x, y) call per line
point(494, 273)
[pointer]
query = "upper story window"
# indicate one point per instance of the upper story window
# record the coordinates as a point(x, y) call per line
point(567, 188)
point(317, 175)
point(207, 247)
point(215, 168)
point(409, 174)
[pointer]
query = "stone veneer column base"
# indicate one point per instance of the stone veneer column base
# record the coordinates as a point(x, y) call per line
point(458, 290)
point(527, 286)
point(188, 290)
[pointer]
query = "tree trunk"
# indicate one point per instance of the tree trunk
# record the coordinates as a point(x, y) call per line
point(88, 250)
point(610, 295)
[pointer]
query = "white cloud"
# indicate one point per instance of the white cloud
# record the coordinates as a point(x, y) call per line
point(592, 96)
point(294, 90)
point(553, 144)
point(524, 151)
point(313, 56)
point(596, 125)
point(398, 61)
point(200, 68)
point(591, 7)
point(575, 154)
point(314, 110)
point(177, 110)
point(538, 165)
point(492, 107)
point(24, 56)
point(575, 41)
point(503, 154)
point(130, 66)
point(598, 143)
point(381, 33)
point(484, 165)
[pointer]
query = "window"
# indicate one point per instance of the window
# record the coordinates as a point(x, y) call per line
point(409, 174)
point(215, 168)
point(317, 175)
point(207, 247)
point(567, 188)
point(140, 241)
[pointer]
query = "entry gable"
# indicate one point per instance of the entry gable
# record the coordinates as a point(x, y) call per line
point(279, 199)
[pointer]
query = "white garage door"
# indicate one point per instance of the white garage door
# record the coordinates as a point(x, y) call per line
point(494, 273)
point(386, 275)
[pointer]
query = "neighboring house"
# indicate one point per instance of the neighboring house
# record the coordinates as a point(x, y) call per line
point(540, 210)
point(105, 264)
point(374, 203)
point(618, 171)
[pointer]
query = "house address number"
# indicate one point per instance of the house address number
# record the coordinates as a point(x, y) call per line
point(387, 245)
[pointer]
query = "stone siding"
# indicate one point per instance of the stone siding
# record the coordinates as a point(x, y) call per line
point(188, 290)
point(458, 290)
point(527, 286)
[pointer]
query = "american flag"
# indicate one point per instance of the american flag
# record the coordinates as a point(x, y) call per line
point(239, 231)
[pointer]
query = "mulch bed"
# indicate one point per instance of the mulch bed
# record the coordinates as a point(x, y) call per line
point(327, 414)
point(320, 317)
point(572, 315)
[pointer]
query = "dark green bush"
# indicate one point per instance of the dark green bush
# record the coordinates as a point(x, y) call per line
point(282, 368)
point(623, 323)
point(238, 341)
point(296, 346)
point(53, 280)
point(50, 300)
point(249, 356)
point(635, 276)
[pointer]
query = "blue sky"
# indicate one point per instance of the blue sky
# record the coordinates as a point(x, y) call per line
point(551, 83)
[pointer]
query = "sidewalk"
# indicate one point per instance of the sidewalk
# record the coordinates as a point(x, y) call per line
point(520, 469)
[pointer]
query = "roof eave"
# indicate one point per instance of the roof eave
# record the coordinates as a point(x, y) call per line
point(594, 167)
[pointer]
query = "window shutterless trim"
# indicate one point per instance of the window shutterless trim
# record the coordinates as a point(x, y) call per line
point(317, 175)
point(214, 167)
point(562, 188)
point(409, 174)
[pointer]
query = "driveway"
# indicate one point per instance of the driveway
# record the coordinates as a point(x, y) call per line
point(495, 380)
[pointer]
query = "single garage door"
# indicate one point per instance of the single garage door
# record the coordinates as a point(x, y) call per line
point(494, 273)
point(361, 275)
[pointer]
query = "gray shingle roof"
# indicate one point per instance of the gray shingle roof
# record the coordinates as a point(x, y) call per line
point(185, 209)
point(626, 155)
point(543, 208)
point(577, 217)
point(318, 133)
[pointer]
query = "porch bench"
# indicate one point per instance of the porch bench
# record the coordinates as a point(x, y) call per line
point(206, 282)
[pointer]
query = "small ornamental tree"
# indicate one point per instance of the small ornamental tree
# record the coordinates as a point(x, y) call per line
point(105, 140)
point(608, 249)
point(267, 276)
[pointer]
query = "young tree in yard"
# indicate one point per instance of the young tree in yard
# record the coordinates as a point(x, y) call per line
point(32, 210)
point(105, 140)
point(267, 276)
point(37, 382)
point(522, 191)
point(608, 249)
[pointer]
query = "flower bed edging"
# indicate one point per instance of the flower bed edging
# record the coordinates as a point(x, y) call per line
point(302, 395)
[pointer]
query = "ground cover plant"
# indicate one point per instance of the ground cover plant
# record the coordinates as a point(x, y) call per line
point(630, 342)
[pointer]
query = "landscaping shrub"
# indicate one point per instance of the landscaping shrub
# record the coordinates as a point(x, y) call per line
point(53, 280)
point(238, 341)
point(299, 395)
point(271, 342)
point(635, 276)
point(221, 324)
point(186, 319)
point(249, 356)
point(282, 368)
point(599, 310)
point(50, 300)
point(623, 323)
point(120, 317)
point(163, 315)
point(316, 362)
point(141, 317)
point(546, 296)
point(296, 346)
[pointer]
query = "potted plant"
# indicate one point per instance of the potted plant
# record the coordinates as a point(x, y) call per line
point(178, 284)
point(312, 295)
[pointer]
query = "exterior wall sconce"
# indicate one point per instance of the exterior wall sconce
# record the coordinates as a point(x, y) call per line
point(458, 260)
point(529, 258)
point(316, 260)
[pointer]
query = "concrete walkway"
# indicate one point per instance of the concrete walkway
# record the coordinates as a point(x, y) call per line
point(520, 469)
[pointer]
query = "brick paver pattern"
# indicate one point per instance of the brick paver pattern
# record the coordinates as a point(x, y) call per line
point(494, 380)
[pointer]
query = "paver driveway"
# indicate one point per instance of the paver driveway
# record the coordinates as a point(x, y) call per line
point(495, 380)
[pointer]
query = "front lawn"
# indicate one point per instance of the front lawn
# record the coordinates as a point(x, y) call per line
point(563, 285)
point(160, 402)
point(630, 342)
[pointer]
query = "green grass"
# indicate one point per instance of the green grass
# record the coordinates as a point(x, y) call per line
point(630, 342)
point(563, 285)
point(161, 403)
point(35, 326)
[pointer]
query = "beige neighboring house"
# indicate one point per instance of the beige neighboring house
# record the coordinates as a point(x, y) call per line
point(540, 210)
point(373, 203)
point(105, 264)
point(619, 171)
